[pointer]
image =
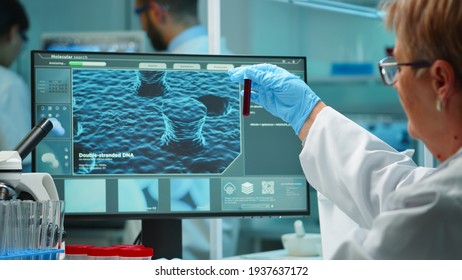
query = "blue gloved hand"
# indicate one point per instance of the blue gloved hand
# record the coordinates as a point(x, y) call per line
point(281, 93)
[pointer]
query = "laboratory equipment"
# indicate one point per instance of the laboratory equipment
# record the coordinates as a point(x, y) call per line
point(279, 91)
point(77, 251)
point(246, 99)
point(103, 253)
point(31, 214)
point(115, 41)
point(301, 244)
point(14, 183)
point(135, 253)
point(391, 128)
point(160, 137)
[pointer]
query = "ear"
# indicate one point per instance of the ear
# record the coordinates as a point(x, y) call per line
point(157, 12)
point(443, 79)
point(11, 35)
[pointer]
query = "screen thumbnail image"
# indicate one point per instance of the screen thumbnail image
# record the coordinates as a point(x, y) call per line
point(154, 122)
point(260, 194)
point(138, 195)
point(88, 196)
point(54, 157)
point(190, 194)
point(60, 116)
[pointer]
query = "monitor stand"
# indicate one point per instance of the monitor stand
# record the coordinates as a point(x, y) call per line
point(164, 236)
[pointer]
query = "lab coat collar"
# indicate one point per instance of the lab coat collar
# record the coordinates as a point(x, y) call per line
point(456, 155)
point(448, 161)
point(185, 36)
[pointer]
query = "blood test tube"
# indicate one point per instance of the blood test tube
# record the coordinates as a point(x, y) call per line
point(246, 101)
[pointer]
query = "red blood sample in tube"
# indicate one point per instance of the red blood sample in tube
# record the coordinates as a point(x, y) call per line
point(246, 101)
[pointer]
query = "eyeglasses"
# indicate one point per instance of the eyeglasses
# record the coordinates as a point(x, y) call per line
point(389, 67)
point(144, 8)
point(141, 9)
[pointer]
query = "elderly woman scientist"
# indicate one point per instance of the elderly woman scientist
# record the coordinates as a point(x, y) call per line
point(393, 208)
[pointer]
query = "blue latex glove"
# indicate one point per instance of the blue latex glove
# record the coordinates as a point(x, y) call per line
point(281, 93)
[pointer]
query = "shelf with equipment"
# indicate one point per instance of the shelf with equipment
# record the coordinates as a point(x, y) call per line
point(362, 8)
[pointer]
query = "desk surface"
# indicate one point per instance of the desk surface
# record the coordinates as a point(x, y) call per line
point(272, 255)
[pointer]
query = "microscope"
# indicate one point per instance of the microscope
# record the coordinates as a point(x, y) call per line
point(31, 220)
point(26, 186)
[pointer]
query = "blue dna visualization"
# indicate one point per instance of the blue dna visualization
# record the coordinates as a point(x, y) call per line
point(154, 122)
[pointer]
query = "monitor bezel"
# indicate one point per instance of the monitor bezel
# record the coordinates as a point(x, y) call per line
point(170, 215)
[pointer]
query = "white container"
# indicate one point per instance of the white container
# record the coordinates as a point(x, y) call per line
point(76, 252)
point(103, 253)
point(135, 253)
point(307, 245)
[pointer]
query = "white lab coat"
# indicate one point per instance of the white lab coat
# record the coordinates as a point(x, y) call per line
point(15, 110)
point(375, 203)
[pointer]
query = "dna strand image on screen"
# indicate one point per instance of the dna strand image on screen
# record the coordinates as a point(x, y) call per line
point(154, 122)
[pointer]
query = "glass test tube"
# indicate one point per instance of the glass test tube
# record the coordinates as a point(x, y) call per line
point(246, 99)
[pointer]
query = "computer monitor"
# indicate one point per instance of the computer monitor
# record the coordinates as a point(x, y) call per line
point(162, 136)
point(111, 41)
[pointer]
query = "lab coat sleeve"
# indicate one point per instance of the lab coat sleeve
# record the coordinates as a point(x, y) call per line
point(334, 226)
point(352, 168)
point(420, 221)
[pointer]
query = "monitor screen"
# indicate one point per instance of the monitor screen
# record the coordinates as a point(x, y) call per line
point(161, 135)
point(113, 41)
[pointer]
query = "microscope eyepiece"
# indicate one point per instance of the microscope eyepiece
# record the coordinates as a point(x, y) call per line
point(34, 137)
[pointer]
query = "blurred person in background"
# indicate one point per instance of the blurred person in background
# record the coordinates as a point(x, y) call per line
point(173, 26)
point(15, 103)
